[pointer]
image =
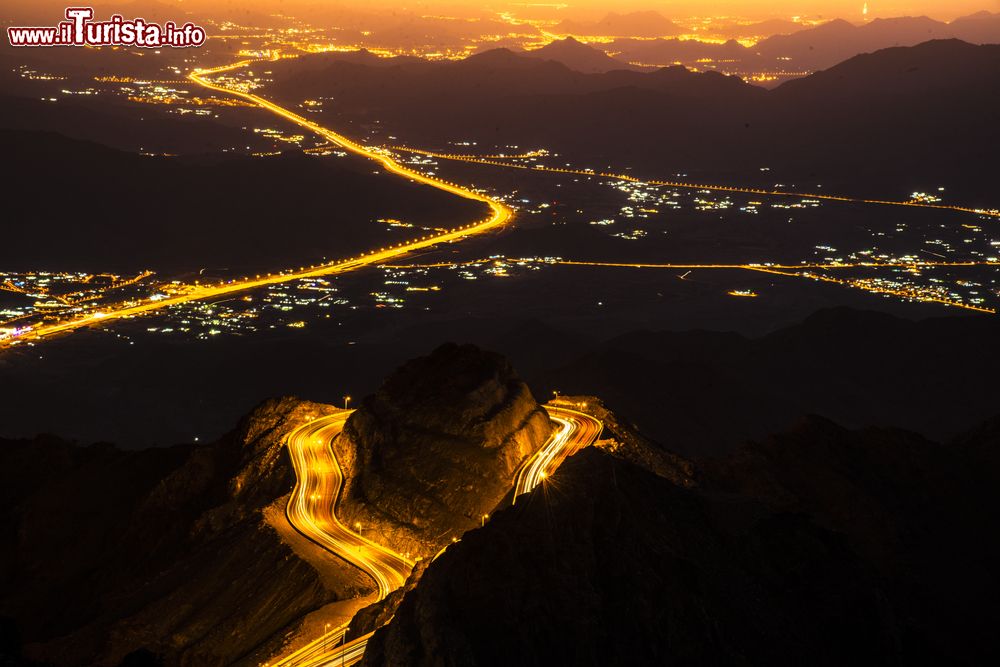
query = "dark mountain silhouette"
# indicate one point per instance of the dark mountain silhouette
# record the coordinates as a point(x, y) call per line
point(767, 28)
point(979, 28)
point(837, 40)
point(946, 68)
point(858, 368)
point(930, 128)
point(579, 57)
point(809, 49)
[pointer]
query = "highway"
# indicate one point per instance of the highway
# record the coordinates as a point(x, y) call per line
point(575, 430)
point(499, 215)
point(311, 507)
point(312, 511)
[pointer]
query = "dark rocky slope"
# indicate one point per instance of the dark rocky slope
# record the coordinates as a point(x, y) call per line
point(922, 514)
point(437, 446)
point(611, 564)
point(819, 546)
point(106, 552)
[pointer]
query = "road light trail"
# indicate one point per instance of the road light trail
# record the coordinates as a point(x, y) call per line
point(499, 215)
point(868, 286)
point(576, 430)
point(312, 511)
point(317, 490)
point(992, 212)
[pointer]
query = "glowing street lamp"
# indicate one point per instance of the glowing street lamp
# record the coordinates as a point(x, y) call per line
point(347, 399)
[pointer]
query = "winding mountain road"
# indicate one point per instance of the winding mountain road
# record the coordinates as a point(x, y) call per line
point(312, 511)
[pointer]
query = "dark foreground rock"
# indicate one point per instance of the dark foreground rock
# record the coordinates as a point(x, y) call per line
point(611, 564)
point(821, 546)
point(106, 552)
point(920, 513)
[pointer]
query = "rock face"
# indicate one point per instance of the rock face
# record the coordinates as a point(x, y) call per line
point(437, 447)
point(921, 514)
point(106, 551)
point(818, 546)
point(615, 565)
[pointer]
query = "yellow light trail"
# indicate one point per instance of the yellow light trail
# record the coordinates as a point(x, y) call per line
point(576, 430)
point(995, 213)
point(867, 286)
point(500, 214)
point(312, 511)
point(317, 489)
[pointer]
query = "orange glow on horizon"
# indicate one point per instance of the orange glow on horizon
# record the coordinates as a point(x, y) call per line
point(470, 10)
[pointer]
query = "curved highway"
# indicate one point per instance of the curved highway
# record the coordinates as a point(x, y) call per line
point(499, 215)
point(314, 499)
point(311, 510)
point(575, 431)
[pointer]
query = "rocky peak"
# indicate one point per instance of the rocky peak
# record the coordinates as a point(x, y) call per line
point(438, 445)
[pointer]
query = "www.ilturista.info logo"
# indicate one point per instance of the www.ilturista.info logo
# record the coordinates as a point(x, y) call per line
point(79, 30)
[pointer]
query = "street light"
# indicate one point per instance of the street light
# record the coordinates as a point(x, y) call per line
point(485, 518)
point(347, 399)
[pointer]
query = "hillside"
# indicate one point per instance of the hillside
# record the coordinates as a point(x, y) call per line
point(916, 113)
point(213, 211)
point(791, 47)
point(823, 546)
point(174, 550)
point(579, 57)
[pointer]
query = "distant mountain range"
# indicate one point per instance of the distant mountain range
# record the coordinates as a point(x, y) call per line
point(809, 49)
point(915, 113)
point(580, 57)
